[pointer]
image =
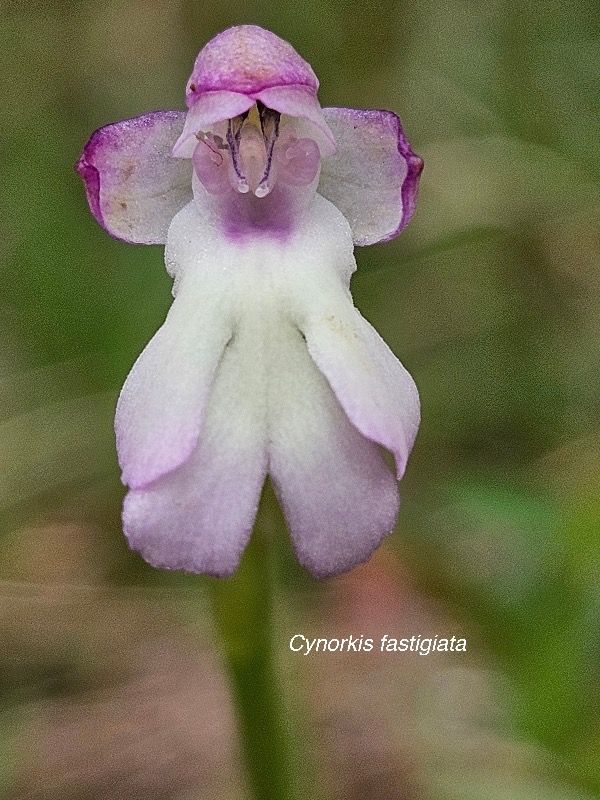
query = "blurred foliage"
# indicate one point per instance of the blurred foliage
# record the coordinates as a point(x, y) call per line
point(491, 297)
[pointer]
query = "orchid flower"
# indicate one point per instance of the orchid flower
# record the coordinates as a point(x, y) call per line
point(263, 365)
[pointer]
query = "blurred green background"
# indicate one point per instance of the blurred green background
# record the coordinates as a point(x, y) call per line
point(110, 678)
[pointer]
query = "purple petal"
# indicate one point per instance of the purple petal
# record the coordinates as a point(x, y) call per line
point(339, 497)
point(248, 59)
point(133, 184)
point(374, 176)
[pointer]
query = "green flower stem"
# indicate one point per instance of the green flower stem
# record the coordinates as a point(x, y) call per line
point(244, 615)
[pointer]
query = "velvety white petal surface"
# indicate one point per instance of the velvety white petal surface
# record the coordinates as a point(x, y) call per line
point(200, 517)
point(373, 178)
point(338, 495)
point(161, 405)
point(340, 498)
point(376, 391)
point(133, 184)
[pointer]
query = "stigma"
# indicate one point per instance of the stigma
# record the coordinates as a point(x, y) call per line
point(252, 152)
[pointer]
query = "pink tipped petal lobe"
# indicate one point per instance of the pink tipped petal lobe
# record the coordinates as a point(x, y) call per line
point(133, 184)
point(248, 59)
point(374, 176)
point(339, 497)
point(200, 517)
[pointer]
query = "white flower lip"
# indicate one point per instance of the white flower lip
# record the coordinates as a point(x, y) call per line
point(263, 365)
